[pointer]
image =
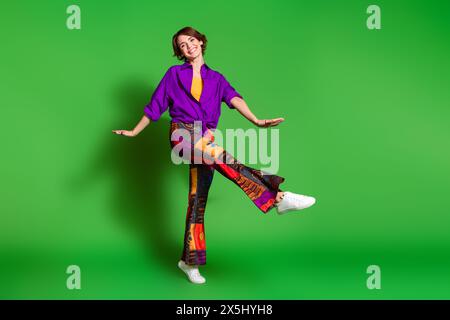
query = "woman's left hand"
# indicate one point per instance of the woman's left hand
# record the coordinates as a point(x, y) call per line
point(268, 122)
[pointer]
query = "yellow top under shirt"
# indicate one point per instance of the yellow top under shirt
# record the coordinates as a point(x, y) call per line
point(197, 87)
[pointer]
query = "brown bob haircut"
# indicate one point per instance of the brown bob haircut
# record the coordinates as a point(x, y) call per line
point(187, 31)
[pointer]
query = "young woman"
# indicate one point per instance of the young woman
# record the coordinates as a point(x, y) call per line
point(194, 92)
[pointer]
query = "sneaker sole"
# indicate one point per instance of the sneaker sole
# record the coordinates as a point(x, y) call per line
point(297, 209)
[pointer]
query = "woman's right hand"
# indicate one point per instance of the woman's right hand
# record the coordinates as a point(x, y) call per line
point(125, 133)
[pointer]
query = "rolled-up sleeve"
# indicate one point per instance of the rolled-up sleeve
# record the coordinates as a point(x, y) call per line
point(160, 101)
point(228, 93)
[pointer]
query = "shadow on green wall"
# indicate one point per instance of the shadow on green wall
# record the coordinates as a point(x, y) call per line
point(136, 169)
point(142, 164)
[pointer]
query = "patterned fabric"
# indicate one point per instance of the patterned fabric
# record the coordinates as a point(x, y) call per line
point(261, 188)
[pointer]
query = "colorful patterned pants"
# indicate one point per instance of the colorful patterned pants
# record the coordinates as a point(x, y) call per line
point(261, 188)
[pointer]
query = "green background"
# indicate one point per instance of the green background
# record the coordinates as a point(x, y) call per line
point(366, 132)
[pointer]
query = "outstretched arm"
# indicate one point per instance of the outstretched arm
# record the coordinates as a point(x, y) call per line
point(243, 108)
point(137, 129)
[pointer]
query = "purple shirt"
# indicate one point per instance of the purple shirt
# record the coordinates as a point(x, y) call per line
point(174, 92)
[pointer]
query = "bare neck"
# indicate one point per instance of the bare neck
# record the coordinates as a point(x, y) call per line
point(197, 63)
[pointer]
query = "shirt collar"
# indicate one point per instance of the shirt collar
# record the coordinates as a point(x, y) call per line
point(188, 65)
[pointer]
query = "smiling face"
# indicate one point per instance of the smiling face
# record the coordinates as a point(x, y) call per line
point(190, 46)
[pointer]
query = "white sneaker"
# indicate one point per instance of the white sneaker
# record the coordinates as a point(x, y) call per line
point(292, 201)
point(192, 272)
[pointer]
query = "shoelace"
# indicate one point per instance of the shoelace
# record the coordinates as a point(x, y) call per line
point(195, 273)
point(287, 196)
point(295, 198)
